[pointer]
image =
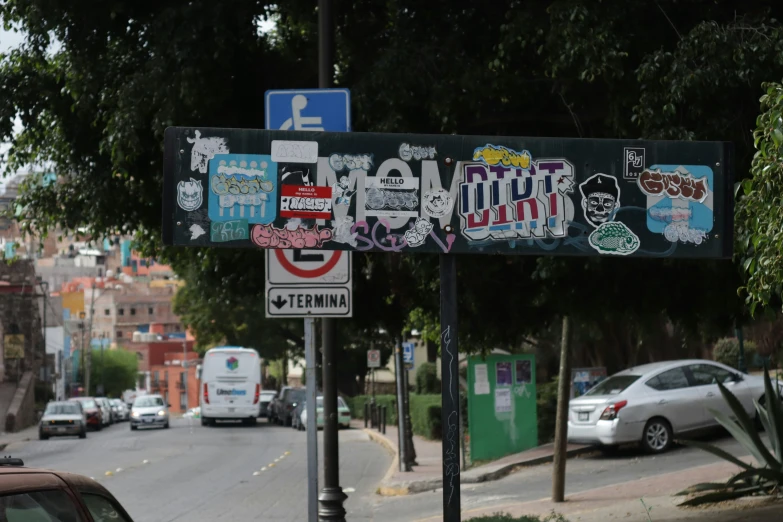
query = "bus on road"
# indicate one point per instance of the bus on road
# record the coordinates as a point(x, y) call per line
point(230, 385)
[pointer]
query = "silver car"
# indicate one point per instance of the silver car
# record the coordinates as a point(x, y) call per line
point(119, 410)
point(63, 418)
point(150, 411)
point(654, 403)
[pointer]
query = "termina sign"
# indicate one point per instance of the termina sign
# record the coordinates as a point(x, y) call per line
point(221, 391)
point(447, 194)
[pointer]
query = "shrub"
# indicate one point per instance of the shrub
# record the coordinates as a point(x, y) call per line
point(356, 404)
point(425, 416)
point(427, 381)
point(502, 517)
point(726, 351)
point(546, 405)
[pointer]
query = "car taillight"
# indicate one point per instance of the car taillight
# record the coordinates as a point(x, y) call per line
point(206, 393)
point(258, 394)
point(611, 411)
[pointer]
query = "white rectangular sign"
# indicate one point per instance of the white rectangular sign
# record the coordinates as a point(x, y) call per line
point(294, 151)
point(297, 301)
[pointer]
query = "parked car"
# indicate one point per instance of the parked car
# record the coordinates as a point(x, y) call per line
point(343, 414)
point(92, 411)
point(105, 406)
point(654, 403)
point(120, 410)
point(150, 411)
point(266, 399)
point(40, 494)
point(283, 405)
point(62, 418)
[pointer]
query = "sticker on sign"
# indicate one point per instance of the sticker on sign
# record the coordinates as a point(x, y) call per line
point(305, 202)
point(294, 301)
point(285, 151)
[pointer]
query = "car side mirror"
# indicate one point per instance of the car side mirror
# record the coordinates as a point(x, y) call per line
point(168, 405)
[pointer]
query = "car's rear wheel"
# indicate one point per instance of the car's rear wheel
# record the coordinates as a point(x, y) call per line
point(41, 436)
point(83, 434)
point(204, 421)
point(657, 436)
point(133, 427)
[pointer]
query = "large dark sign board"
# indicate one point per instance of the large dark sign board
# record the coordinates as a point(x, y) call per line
point(446, 194)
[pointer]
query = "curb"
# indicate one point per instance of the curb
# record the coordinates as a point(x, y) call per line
point(396, 489)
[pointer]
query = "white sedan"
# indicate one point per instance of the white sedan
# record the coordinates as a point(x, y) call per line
point(343, 414)
point(654, 403)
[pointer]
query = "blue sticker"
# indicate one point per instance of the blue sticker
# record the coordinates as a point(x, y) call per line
point(681, 195)
point(243, 187)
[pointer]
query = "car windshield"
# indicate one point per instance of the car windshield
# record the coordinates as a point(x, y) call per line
point(148, 402)
point(614, 385)
point(296, 396)
point(88, 403)
point(62, 408)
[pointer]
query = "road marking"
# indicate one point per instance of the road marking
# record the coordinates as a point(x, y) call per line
point(277, 460)
point(263, 469)
point(348, 490)
point(145, 461)
point(287, 453)
point(272, 465)
point(108, 473)
point(119, 470)
point(256, 473)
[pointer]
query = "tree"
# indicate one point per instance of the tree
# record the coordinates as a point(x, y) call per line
point(117, 369)
point(760, 208)
point(98, 107)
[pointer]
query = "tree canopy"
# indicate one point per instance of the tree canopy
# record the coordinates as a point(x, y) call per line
point(125, 70)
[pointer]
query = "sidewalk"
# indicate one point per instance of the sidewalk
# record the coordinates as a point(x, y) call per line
point(624, 501)
point(428, 475)
point(20, 436)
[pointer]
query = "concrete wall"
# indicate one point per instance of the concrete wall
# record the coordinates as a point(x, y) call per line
point(21, 412)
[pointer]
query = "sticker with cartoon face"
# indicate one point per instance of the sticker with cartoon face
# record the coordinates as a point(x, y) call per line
point(600, 199)
point(438, 203)
point(190, 194)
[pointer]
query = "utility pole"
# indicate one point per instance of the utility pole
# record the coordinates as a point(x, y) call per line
point(185, 372)
point(103, 369)
point(561, 423)
point(88, 368)
point(332, 496)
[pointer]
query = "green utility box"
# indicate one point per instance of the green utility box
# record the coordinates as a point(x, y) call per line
point(501, 405)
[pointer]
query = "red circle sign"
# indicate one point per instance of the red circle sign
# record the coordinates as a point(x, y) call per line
point(300, 272)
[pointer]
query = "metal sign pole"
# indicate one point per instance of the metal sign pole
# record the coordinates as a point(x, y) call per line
point(312, 420)
point(450, 387)
point(398, 365)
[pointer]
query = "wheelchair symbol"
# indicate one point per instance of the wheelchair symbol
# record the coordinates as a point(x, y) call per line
point(299, 122)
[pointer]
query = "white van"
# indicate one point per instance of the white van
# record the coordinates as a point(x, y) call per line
point(230, 385)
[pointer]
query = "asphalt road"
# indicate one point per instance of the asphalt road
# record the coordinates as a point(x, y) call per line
point(535, 483)
point(195, 473)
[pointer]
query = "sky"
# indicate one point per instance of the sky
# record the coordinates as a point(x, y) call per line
point(8, 41)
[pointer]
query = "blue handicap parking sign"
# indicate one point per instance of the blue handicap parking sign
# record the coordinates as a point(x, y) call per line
point(308, 109)
point(407, 353)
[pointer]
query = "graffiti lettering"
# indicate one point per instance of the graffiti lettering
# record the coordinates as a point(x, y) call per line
point(500, 155)
point(266, 236)
point(501, 203)
point(221, 231)
point(409, 152)
point(373, 240)
point(204, 149)
point(339, 162)
point(314, 204)
point(670, 214)
point(450, 458)
point(673, 185)
point(682, 232)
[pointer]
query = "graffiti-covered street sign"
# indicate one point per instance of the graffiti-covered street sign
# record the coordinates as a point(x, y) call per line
point(440, 193)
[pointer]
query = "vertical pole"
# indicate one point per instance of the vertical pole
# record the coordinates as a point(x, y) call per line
point(88, 355)
point(332, 496)
point(312, 420)
point(450, 387)
point(400, 405)
point(410, 450)
point(103, 371)
point(561, 422)
point(185, 372)
point(741, 364)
